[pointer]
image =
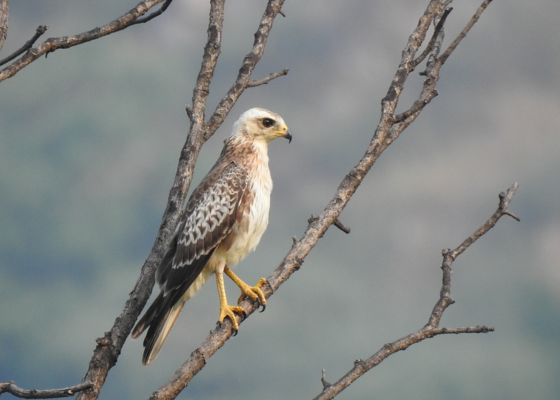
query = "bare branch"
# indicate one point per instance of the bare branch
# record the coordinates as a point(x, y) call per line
point(502, 210)
point(468, 329)
point(430, 46)
point(13, 389)
point(4, 16)
point(431, 329)
point(417, 106)
point(65, 42)
point(449, 256)
point(212, 51)
point(363, 366)
point(268, 78)
point(38, 33)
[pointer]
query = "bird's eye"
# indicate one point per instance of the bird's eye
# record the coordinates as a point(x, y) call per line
point(267, 122)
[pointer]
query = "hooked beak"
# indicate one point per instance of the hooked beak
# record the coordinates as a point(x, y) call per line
point(285, 133)
point(288, 136)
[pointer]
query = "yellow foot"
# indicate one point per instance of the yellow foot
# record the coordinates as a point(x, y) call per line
point(254, 293)
point(229, 311)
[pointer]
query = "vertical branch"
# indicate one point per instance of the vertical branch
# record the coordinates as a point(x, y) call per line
point(249, 62)
point(209, 59)
point(4, 16)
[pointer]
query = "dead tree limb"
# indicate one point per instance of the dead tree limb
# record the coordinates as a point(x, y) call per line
point(432, 328)
point(65, 42)
point(13, 389)
point(4, 13)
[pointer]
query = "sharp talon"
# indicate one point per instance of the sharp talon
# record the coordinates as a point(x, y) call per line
point(234, 333)
point(263, 308)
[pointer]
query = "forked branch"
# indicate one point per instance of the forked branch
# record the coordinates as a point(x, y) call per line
point(270, 77)
point(432, 328)
point(38, 33)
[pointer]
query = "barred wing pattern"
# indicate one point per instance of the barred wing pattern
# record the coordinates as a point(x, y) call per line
point(211, 213)
point(209, 217)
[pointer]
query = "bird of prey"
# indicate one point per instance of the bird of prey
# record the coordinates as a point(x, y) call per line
point(223, 221)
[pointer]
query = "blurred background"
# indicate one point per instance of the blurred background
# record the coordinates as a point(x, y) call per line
point(89, 142)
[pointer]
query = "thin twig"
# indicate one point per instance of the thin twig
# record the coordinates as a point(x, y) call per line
point(324, 381)
point(154, 14)
point(270, 77)
point(502, 210)
point(38, 32)
point(468, 329)
point(13, 389)
point(342, 227)
point(417, 106)
point(212, 51)
point(464, 32)
point(4, 16)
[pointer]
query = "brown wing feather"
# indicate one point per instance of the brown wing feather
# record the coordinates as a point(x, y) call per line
point(208, 219)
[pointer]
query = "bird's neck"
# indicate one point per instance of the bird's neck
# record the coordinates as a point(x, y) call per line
point(249, 153)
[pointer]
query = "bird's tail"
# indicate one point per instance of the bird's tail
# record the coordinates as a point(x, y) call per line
point(159, 328)
point(154, 341)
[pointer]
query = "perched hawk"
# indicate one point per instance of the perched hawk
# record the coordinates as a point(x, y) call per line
point(224, 220)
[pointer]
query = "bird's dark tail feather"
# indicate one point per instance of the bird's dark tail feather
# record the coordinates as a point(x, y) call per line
point(158, 332)
point(158, 319)
point(148, 317)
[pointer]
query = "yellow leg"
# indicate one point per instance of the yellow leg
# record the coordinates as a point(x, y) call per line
point(225, 309)
point(254, 293)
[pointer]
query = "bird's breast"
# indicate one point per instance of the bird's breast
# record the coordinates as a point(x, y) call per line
point(252, 218)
